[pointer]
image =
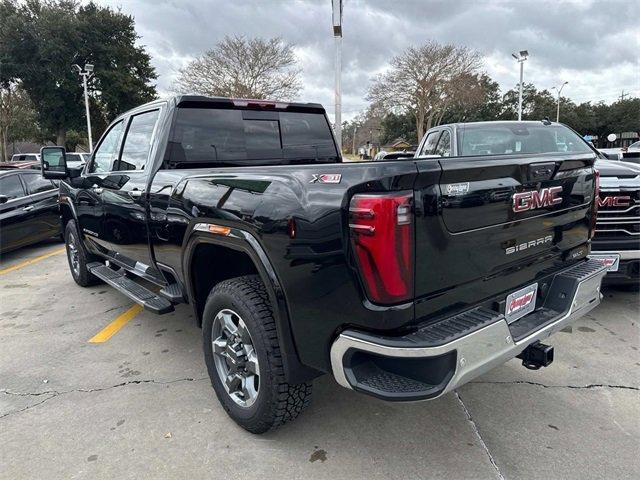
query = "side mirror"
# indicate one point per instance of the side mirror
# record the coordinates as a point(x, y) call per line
point(3, 199)
point(54, 163)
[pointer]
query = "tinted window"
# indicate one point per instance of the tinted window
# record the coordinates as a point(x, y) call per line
point(137, 143)
point(304, 129)
point(263, 134)
point(444, 144)
point(505, 139)
point(106, 154)
point(430, 144)
point(243, 137)
point(11, 187)
point(35, 183)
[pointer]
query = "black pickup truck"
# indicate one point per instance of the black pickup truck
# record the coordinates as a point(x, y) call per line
point(404, 279)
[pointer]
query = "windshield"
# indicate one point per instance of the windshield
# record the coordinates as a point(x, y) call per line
point(513, 138)
point(246, 137)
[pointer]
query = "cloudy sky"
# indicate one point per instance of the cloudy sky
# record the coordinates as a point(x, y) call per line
point(594, 45)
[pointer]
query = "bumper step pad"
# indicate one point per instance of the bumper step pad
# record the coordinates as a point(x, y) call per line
point(454, 327)
point(136, 292)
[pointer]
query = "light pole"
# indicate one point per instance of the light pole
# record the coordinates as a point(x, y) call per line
point(337, 34)
point(559, 92)
point(86, 74)
point(520, 58)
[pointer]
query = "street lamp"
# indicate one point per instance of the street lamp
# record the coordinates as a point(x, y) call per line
point(336, 6)
point(520, 58)
point(559, 92)
point(86, 74)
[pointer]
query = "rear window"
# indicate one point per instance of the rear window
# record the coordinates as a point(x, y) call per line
point(23, 158)
point(506, 139)
point(209, 136)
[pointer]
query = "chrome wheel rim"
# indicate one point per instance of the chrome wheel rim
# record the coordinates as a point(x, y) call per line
point(74, 257)
point(235, 357)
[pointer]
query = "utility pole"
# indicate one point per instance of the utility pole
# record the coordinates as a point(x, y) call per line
point(353, 147)
point(622, 95)
point(520, 58)
point(559, 92)
point(86, 74)
point(337, 35)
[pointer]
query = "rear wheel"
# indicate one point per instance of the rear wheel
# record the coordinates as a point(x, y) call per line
point(243, 357)
point(78, 256)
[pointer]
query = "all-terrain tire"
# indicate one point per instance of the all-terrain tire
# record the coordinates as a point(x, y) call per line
point(277, 401)
point(77, 251)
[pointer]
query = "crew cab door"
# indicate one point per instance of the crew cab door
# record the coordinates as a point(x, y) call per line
point(88, 201)
point(500, 217)
point(14, 211)
point(124, 225)
point(43, 211)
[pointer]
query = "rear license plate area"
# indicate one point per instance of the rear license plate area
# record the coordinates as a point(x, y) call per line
point(520, 303)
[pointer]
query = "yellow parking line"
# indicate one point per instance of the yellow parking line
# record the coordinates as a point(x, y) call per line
point(110, 330)
point(31, 261)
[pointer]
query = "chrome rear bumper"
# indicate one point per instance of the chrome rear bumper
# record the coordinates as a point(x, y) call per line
point(419, 367)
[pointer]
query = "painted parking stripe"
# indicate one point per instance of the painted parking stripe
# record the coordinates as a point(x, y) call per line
point(31, 261)
point(114, 327)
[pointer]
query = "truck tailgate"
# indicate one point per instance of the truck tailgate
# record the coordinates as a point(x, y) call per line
point(496, 222)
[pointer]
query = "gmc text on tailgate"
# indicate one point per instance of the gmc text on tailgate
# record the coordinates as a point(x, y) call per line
point(404, 279)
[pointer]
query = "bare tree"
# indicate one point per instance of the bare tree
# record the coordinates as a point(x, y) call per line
point(422, 80)
point(243, 68)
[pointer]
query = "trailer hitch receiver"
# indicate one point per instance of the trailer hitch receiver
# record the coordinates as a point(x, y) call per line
point(536, 355)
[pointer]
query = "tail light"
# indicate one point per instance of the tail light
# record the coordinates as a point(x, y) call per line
point(594, 208)
point(381, 229)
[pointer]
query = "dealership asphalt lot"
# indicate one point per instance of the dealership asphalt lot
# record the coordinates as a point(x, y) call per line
point(139, 403)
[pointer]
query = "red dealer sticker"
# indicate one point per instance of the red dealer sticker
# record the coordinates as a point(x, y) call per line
point(520, 303)
point(612, 262)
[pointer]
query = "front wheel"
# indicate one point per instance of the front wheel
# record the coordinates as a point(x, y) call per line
point(78, 256)
point(243, 357)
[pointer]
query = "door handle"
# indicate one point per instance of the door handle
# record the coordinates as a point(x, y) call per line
point(28, 208)
point(135, 193)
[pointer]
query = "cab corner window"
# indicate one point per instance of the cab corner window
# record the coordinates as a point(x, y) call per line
point(137, 142)
point(444, 145)
point(106, 155)
point(430, 144)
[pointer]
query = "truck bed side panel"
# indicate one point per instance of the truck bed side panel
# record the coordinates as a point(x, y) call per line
point(321, 286)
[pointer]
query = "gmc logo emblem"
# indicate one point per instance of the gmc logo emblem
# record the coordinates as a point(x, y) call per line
point(531, 200)
point(622, 201)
